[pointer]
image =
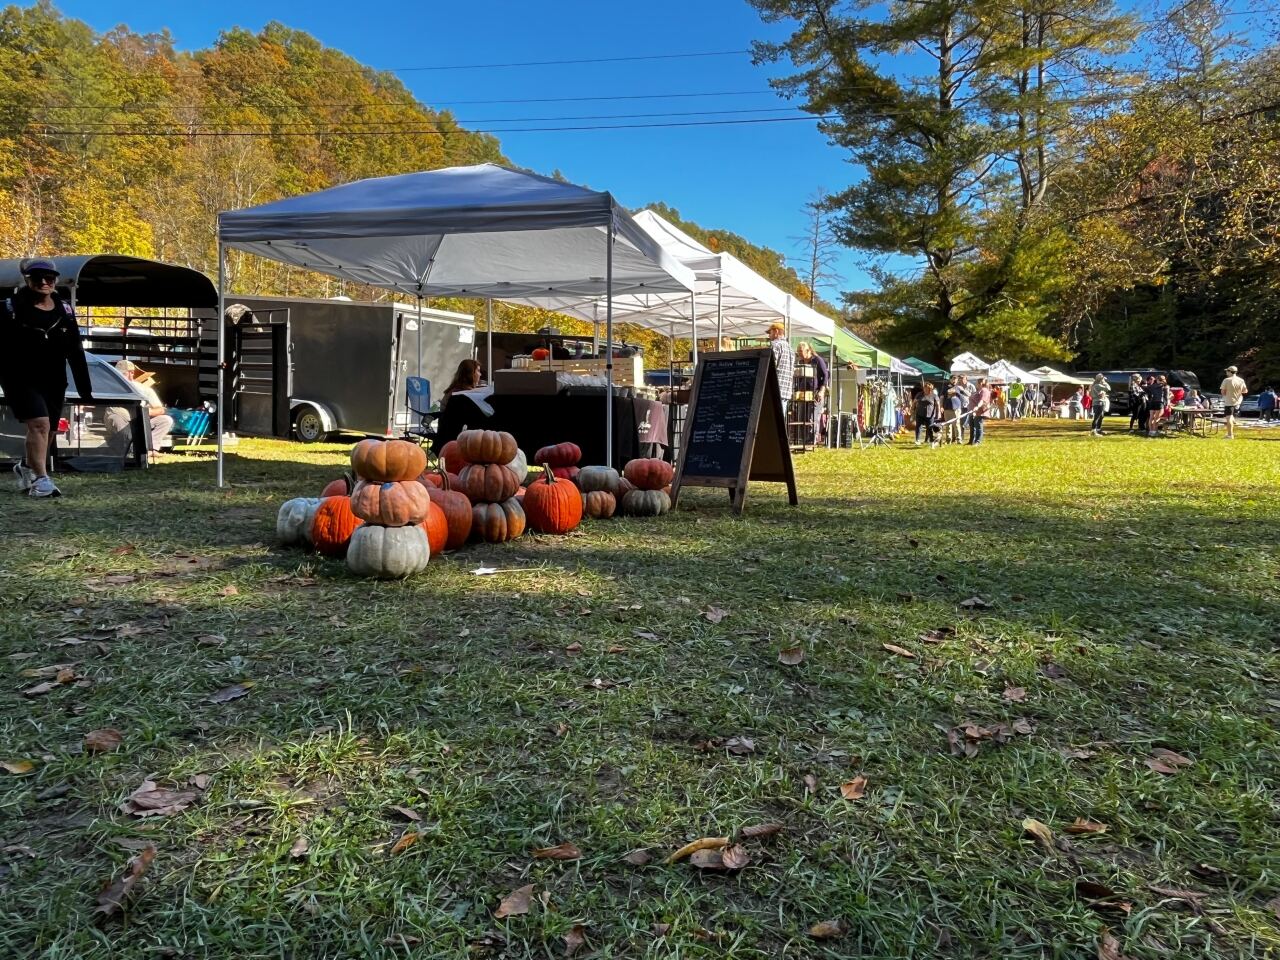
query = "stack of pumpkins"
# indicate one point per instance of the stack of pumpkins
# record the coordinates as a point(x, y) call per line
point(562, 458)
point(645, 487)
point(599, 490)
point(391, 509)
point(490, 484)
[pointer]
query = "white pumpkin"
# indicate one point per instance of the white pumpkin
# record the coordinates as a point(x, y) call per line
point(389, 552)
point(520, 465)
point(293, 522)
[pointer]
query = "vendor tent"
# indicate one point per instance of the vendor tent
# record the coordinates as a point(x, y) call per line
point(1006, 372)
point(848, 349)
point(902, 369)
point(928, 369)
point(970, 364)
point(1047, 374)
point(479, 231)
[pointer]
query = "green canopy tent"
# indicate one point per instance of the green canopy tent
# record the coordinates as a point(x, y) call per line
point(928, 369)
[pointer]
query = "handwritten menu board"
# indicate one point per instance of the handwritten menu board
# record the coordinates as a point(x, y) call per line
point(719, 423)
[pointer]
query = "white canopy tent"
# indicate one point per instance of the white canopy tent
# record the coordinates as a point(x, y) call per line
point(970, 364)
point(1006, 372)
point(1047, 374)
point(479, 231)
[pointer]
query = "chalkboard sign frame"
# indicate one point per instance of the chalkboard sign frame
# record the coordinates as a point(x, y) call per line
point(766, 453)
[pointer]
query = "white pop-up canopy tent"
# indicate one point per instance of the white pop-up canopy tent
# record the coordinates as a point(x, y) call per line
point(479, 231)
point(971, 364)
point(1006, 372)
point(1047, 374)
point(741, 302)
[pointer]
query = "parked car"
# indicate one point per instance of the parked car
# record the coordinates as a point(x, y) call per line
point(1119, 381)
point(1249, 405)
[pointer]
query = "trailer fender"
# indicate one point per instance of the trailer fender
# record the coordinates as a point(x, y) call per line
point(312, 420)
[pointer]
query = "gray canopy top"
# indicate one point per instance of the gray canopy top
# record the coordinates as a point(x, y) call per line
point(109, 280)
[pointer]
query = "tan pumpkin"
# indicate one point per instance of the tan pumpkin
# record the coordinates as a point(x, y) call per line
point(599, 504)
point(436, 526)
point(648, 473)
point(390, 504)
point(488, 482)
point(487, 446)
point(497, 522)
point(387, 460)
point(457, 512)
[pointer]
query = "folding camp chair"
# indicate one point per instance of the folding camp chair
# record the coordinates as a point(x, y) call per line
point(418, 394)
point(190, 426)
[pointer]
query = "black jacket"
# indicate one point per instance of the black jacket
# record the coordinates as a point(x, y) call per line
point(37, 345)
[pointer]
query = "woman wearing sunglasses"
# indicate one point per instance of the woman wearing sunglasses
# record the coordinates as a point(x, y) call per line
point(39, 337)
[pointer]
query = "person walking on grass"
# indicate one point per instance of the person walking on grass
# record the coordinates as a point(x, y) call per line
point(39, 338)
point(978, 405)
point(927, 410)
point(1157, 394)
point(1137, 404)
point(1267, 404)
point(1099, 397)
point(1233, 390)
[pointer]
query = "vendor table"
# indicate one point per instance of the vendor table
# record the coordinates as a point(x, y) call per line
point(639, 426)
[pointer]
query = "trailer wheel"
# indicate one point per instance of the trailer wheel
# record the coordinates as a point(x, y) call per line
point(308, 425)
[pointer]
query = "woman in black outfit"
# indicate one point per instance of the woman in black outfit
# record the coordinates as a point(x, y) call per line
point(39, 336)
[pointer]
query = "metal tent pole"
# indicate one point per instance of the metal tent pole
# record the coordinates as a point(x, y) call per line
point(693, 317)
point(595, 328)
point(608, 337)
point(719, 313)
point(831, 372)
point(222, 347)
point(488, 322)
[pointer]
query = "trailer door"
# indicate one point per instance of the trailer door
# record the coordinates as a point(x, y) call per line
point(260, 370)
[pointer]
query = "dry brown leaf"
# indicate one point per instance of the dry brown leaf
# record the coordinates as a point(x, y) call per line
point(1040, 833)
point(1109, 947)
point(113, 896)
point(975, 603)
point(233, 692)
point(791, 656)
point(707, 859)
point(44, 673)
point(827, 930)
point(229, 590)
point(408, 813)
point(210, 640)
point(1081, 825)
point(300, 848)
point(1159, 766)
point(810, 783)
point(661, 929)
point(740, 746)
point(515, 903)
point(17, 767)
point(638, 858)
point(574, 647)
point(103, 741)
point(407, 840)
point(1171, 758)
point(123, 550)
point(616, 648)
point(40, 689)
point(854, 789)
point(575, 939)
point(759, 831)
point(563, 851)
point(938, 634)
point(703, 843)
point(735, 857)
point(1015, 694)
point(898, 651)
point(152, 801)
point(1274, 905)
point(1175, 893)
point(1077, 753)
point(714, 614)
point(200, 781)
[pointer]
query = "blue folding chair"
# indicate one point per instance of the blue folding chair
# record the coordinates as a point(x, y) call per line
point(418, 394)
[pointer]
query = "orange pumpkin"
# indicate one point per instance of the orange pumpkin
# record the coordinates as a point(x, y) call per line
point(559, 455)
point(648, 473)
point(437, 527)
point(457, 512)
point(388, 460)
point(488, 482)
point(341, 487)
point(599, 504)
point(497, 522)
point(435, 479)
point(540, 353)
point(486, 446)
point(552, 504)
point(390, 504)
point(332, 528)
point(452, 457)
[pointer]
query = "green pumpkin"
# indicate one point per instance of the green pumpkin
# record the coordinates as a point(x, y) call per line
point(645, 503)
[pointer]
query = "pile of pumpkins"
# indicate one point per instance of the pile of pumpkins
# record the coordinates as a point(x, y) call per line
point(392, 514)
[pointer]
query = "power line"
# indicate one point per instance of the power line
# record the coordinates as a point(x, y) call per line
point(557, 63)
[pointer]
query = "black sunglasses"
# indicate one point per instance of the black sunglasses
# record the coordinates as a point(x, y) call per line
point(42, 277)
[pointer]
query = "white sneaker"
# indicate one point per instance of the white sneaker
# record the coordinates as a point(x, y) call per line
point(26, 476)
point(43, 487)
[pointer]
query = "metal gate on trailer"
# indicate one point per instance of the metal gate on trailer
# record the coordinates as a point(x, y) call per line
point(258, 375)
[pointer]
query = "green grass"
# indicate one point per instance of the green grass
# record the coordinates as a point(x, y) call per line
point(1134, 596)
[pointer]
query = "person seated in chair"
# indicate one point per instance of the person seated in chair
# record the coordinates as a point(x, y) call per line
point(467, 377)
point(143, 382)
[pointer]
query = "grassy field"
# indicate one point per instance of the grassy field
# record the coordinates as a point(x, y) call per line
point(1077, 629)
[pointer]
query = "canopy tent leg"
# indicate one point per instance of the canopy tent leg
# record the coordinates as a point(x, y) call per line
point(222, 347)
point(719, 313)
point(693, 317)
point(408, 409)
point(831, 372)
point(608, 338)
point(488, 323)
point(595, 328)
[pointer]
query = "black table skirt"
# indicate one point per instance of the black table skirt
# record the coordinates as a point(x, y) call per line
point(540, 421)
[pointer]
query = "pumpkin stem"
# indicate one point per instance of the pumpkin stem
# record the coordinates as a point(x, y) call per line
point(444, 478)
point(547, 476)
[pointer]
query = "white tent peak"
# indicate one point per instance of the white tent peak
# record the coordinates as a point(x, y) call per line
point(969, 363)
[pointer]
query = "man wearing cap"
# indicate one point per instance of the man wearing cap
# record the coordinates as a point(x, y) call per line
point(1233, 390)
point(143, 382)
point(39, 337)
point(784, 362)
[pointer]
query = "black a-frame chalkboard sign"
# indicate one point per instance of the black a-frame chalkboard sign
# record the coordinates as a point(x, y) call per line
point(735, 430)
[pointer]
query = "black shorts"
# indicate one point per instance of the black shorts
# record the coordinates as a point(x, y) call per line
point(31, 403)
point(1231, 410)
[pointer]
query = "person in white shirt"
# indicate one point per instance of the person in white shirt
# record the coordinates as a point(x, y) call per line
point(1233, 390)
point(143, 382)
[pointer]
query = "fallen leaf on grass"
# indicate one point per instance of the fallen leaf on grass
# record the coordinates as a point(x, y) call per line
point(113, 896)
point(735, 857)
point(407, 840)
point(210, 640)
point(53, 670)
point(515, 903)
point(714, 614)
point(1085, 826)
point(1040, 833)
point(300, 848)
point(1210, 874)
point(201, 781)
point(616, 648)
point(123, 550)
point(938, 634)
point(103, 741)
point(407, 813)
point(573, 648)
point(638, 858)
point(1015, 694)
point(1076, 753)
point(791, 656)
point(740, 746)
point(1170, 758)
point(729, 858)
point(898, 651)
point(575, 939)
point(233, 692)
point(601, 684)
point(1053, 671)
point(229, 590)
point(152, 801)
point(1175, 893)
point(1109, 948)
point(563, 851)
point(810, 783)
point(646, 635)
point(827, 930)
point(759, 831)
point(854, 789)
point(661, 929)
point(20, 848)
point(703, 843)
point(975, 603)
point(17, 767)
point(1274, 905)
point(1100, 897)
